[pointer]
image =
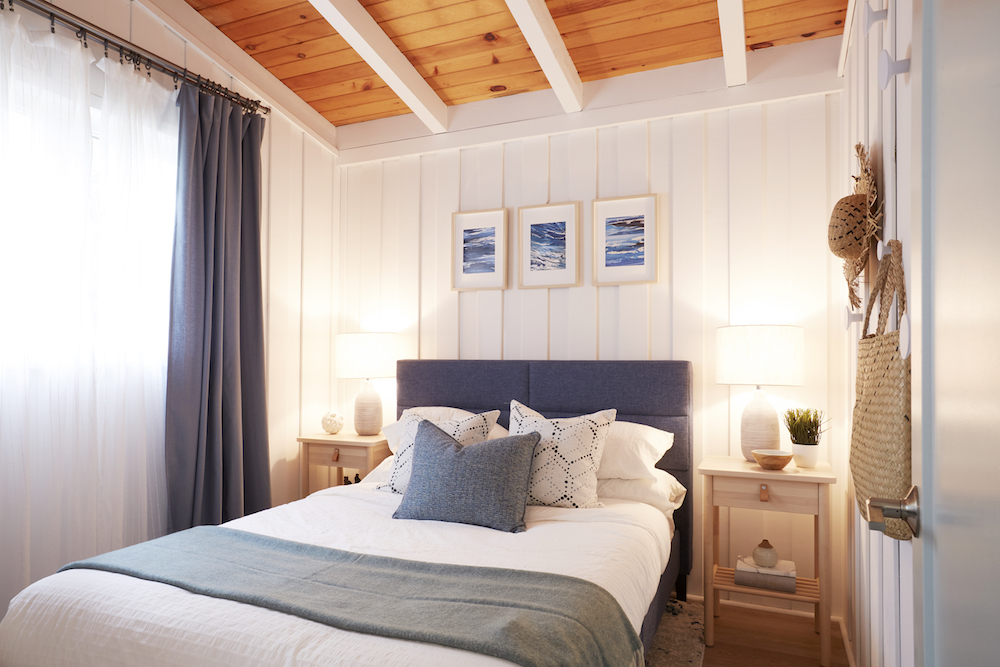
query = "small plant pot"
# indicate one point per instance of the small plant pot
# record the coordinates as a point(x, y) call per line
point(805, 455)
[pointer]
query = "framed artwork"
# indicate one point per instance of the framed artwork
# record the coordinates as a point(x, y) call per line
point(549, 245)
point(626, 236)
point(479, 250)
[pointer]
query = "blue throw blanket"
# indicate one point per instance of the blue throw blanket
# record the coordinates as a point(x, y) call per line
point(529, 618)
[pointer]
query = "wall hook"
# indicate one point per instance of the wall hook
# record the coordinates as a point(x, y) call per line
point(850, 317)
point(872, 17)
point(882, 250)
point(888, 68)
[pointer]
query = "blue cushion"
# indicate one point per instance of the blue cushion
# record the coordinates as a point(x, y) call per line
point(484, 484)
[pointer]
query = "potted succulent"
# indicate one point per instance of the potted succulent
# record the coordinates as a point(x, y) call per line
point(805, 426)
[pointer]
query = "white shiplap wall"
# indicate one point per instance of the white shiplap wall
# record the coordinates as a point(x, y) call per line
point(745, 196)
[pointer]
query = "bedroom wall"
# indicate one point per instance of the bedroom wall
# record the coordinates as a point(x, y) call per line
point(300, 242)
point(745, 197)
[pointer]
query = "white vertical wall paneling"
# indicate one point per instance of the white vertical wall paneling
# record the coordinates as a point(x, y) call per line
point(717, 422)
point(633, 179)
point(661, 292)
point(389, 258)
point(513, 197)
point(468, 302)
point(369, 249)
point(560, 333)
point(284, 303)
point(583, 188)
point(534, 302)
point(608, 304)
point(317, 299)
point(490, 196)
point(449, 200)
point(431, 258)
point(747, 289)
point(409, 274)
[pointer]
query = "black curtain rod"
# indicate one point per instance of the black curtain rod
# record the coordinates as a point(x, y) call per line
point(131, 53)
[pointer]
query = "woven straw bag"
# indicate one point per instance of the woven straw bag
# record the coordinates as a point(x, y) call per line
point(880, 435)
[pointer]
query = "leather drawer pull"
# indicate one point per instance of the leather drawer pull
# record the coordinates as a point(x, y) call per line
point(763, 493)
point(336, 455)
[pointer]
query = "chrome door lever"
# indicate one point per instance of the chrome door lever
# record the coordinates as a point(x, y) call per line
point(908, 509)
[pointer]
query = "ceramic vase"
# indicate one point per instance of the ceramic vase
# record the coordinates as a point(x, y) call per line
point(765, 555)
point(806, 455)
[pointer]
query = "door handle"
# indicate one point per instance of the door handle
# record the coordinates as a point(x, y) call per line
point(908, 509)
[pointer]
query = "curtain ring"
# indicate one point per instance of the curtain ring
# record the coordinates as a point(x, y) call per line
point(105, 48)
point(52, 20)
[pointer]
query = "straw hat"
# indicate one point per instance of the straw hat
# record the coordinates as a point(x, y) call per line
point(848, 226)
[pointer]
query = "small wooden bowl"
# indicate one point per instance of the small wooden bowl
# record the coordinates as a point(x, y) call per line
point(771, 459)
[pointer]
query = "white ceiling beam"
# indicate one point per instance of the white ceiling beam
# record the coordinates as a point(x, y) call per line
point(542, 35)
point(359, 29)
point(734, 41)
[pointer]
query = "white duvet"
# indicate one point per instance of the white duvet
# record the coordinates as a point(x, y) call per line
point(88, 617)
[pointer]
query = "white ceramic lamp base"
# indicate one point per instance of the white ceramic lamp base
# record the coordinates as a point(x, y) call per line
point(368, 410)
point(758, 426)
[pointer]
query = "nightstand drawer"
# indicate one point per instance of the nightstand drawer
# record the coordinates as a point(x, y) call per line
point(338, 456)
point(782, 496)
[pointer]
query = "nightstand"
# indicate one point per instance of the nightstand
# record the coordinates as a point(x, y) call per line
point(735, 482)
point(343, 450)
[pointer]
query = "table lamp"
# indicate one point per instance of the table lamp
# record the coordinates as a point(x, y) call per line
point(759, 355)
point(366, 356)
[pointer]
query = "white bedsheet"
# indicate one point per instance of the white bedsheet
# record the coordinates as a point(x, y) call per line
point(88, 617)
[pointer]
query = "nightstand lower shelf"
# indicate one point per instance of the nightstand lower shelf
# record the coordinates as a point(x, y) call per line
point(806, 590)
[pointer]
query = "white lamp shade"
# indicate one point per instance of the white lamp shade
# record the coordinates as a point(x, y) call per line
point(760, 355)
point(366, 355)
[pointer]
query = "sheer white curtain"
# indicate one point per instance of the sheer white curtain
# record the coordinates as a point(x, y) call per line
point(86, 227)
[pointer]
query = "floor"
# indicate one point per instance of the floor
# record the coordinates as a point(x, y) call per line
point(754, 638)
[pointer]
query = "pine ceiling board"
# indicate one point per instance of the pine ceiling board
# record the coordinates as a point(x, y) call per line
point(508, 70)
point(480, 25)
point(473, 61)
point(679, 13)
point(295, 35)
point(204, 4)
point(235, 10)
point(336, 81)
point(800, 28)
point(358, 112)
point(354, 99)
point(473, 46)
point(400, 24)
point(269, 22)
point(305, 50)
point(791, 11)
point(658, 27)
point(319, 63)
point(664, 56)
point(834, 32)
point(390, 9)
point(587, 51)
point(474, 92)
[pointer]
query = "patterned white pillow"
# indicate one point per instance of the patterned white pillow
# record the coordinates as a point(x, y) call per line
point(564, 469)
point(466, 431)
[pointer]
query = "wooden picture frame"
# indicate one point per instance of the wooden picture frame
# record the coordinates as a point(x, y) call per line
point(626, 238)
point(479, 250)
point(549, 246)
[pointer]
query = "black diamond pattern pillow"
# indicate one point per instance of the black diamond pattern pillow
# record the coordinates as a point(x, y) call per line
point(466, 431)
point(564, 468)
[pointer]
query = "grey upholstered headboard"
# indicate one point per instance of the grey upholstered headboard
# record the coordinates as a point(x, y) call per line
point(657, 393)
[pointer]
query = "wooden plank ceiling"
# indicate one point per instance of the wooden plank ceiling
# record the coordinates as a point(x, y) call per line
point(470, 50)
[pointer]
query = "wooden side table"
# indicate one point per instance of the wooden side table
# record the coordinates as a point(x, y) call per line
point(343, 450)
point(735, 482)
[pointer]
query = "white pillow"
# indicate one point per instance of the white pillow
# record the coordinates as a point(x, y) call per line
point(466, 431)
point(435, 413)
point(632, 450)
point(665, 493)
point(381, 472)
point(564, 469)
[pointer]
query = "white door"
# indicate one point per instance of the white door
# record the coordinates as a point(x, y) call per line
point(956, 561)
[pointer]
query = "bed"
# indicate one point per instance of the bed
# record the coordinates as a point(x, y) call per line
point(635, 552)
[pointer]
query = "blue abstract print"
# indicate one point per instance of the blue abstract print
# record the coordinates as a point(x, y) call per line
point(624, 241)
point(479, 250)
point(548, 246)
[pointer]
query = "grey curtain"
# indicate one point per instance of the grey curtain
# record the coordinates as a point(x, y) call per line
point(216, 430)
